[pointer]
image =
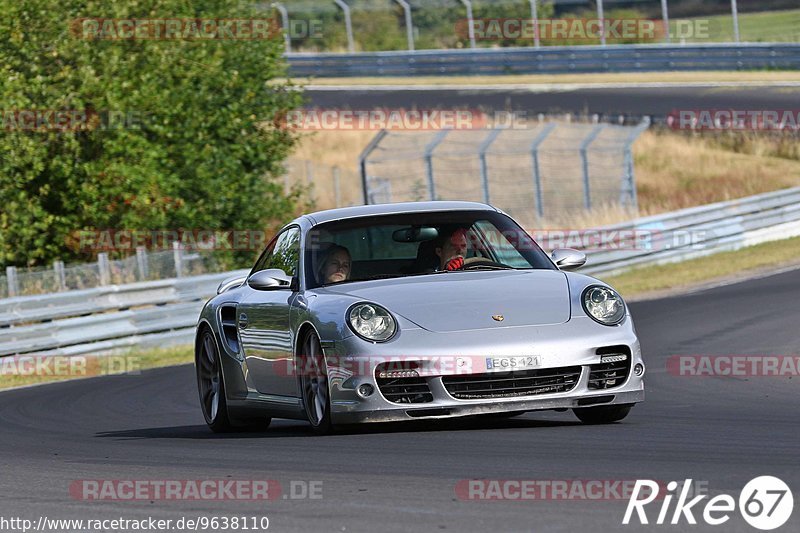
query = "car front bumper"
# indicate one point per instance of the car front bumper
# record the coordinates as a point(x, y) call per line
point(353, 362)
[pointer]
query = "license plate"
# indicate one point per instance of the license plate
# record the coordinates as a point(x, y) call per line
point(522, 362)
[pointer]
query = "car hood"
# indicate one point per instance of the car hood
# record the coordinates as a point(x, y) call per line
point(457, 301)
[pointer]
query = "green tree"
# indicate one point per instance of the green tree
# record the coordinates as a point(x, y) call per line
point(185, 147)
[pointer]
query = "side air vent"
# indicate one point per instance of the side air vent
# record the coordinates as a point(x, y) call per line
point(228, 318)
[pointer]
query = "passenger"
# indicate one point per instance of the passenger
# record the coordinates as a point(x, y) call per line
point(334, 265)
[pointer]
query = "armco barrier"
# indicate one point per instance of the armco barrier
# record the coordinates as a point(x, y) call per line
point(116, 316)
point(549, 60)
point(165, 312)
point(704, 230)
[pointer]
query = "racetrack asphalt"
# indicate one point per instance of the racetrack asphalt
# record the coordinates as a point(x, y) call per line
point(657, 102)
point(719, 431)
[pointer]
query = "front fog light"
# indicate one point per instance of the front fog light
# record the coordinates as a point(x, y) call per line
point(638, 370)
point(365, 390)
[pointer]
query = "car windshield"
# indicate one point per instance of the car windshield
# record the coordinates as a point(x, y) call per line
point(392, 246)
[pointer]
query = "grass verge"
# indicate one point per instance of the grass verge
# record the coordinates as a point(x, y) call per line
point(654, 281)
point(765, 26)
point(23, 370)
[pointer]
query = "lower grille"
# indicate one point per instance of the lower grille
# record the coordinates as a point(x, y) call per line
point(512, 384)
point(405, 390)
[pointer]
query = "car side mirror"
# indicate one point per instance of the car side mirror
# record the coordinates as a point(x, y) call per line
point(568, 258)
point(270, 279)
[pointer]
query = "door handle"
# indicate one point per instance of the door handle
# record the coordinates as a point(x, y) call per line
point(242, 321)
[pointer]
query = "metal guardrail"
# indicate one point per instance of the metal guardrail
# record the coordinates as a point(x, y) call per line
point(158, 313)
point(105, 318)
point(549, 60)
point(700, 231)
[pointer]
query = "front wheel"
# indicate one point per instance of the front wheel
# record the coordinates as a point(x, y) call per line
point(314, 385)
point(605, 414)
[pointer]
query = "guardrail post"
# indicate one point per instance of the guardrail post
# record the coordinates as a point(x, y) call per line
point(310, 179)
point(409, 26)
point(104, 268)
point(535, 19)
point(665, 18)
point(287, 38)
point(177, 255)
point(470, 22)
point(628, 191)
point(348, 25)
point(337, 192)
point(13, 284)
point(431, 146)
point(141, 263)
point(362, 162)
point(735, 13)
point(587, 193)
point(601, 20)
point(537, 177)
point(61, 278)
point(482, 155)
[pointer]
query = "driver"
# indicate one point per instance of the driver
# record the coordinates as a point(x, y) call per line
point(451, 249)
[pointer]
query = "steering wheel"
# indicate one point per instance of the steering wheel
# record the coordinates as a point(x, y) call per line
point(482, 262)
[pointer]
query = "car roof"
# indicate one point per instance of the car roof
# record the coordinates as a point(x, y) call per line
point(394, 209)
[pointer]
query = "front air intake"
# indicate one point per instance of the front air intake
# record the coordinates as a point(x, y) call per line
point(613, 369)
point(402, 384)
point(512, 384)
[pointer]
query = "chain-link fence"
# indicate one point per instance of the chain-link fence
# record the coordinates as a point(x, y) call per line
point(323, 185)
point(548, 170)
point(143, 266)
point(375, 25)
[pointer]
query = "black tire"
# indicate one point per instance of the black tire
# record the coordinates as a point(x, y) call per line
point(211, 388)
point(605, 414)
point(210, 384)
point(314, 388)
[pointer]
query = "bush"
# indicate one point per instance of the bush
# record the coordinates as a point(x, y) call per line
point(188, 152)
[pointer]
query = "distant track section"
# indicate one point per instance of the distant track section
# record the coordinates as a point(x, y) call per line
point(606, 101)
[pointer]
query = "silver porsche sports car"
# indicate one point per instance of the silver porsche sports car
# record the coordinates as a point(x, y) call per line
point(413, 311)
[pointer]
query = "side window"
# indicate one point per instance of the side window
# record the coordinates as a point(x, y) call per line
point(284, 253)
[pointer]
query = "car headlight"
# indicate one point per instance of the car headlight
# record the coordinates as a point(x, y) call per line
point(371, 322)
point(603, 304)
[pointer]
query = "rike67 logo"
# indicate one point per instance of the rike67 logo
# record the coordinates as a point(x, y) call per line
point(765, 503)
